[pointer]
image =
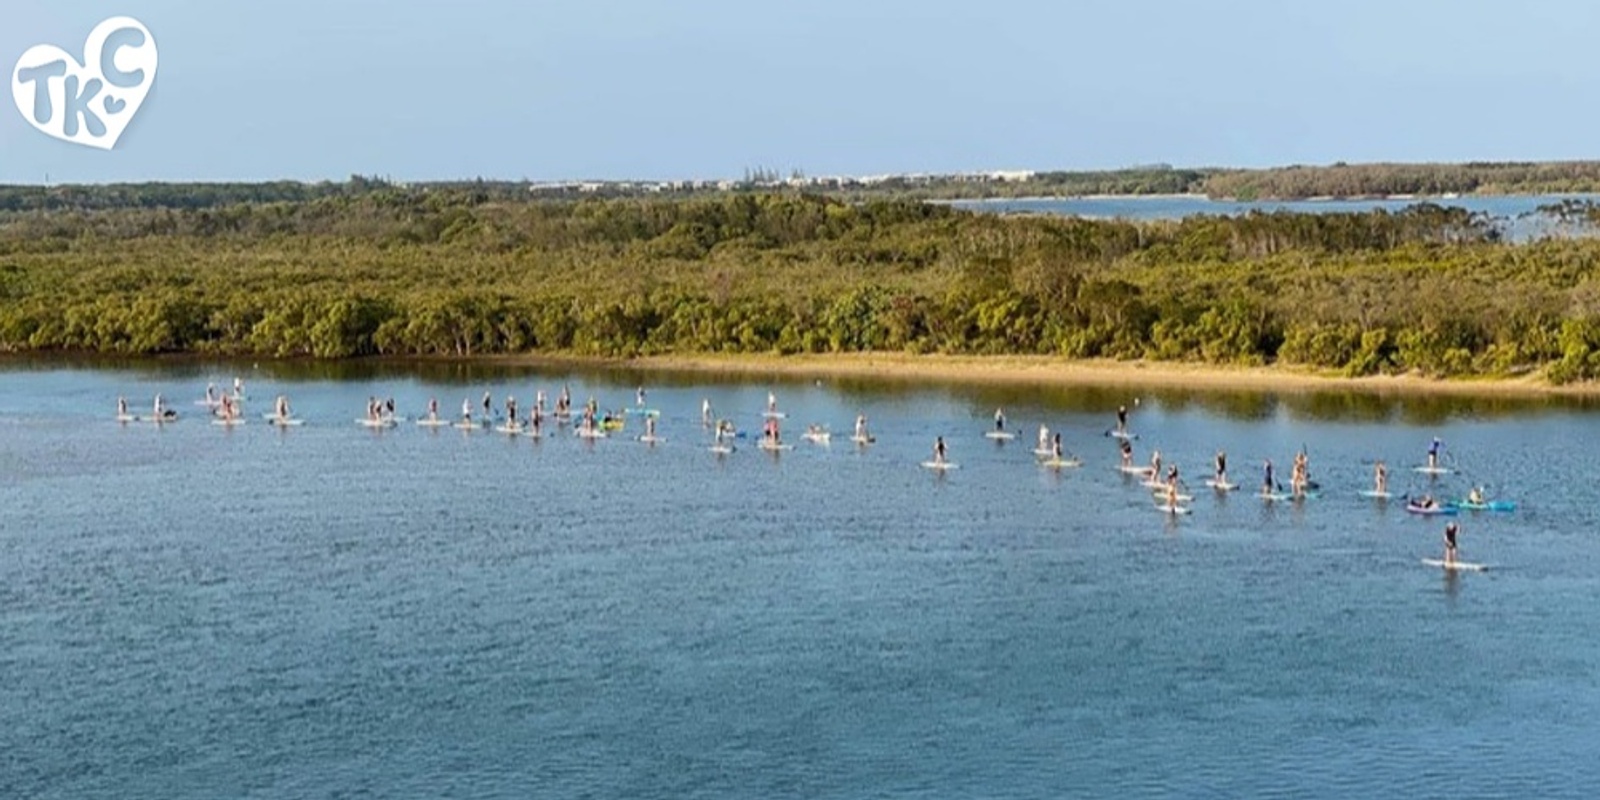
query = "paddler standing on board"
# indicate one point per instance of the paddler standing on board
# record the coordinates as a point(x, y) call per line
point(1450, 531)
point(650, 429)
point(1127, 453)
point(1222, 468)
point(861, 427)
point(433, 409)
point(938, 450)
point(638, 398)
point(1055, 447)
point(211, 394)
point(488, 407)
point(1433, 453)
point(1297, 475)
point(1122, 419)
point(466, 411)
point(160, 409)
point(772, 403)
point(1000, 420)
point(511, 411)
point(1155, 465)
point(536, 419)
point(122, 406)
point(1044, 438)
point(1172, 495)
point(1267, 483)
point(281, 408)
point(1380, 479)
point(705, 411)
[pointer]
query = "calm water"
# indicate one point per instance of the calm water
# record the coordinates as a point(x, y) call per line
point(192, 612)
point(1518, 216)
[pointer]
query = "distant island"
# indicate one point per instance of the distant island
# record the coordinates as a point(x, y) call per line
point(1338, 181)
point(370, 268)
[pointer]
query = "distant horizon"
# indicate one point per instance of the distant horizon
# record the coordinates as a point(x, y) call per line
point(785, 172)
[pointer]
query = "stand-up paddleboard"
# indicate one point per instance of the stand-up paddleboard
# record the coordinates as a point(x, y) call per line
point(1182, 498)
point(1060, 463)
point(1492, 505)
point(817, 438)
point(375, 423)
point(652, 439)
point(774, 415)
point(208, 403)
point(127, 418)
point(863, 439)
point(1043, 452)
point(1000, 436)
point(591, 434)
point(645, 412)
point(228, 422)
point(1152, 483)
point(533, 433)
point(1132, 470)
point(1433, 470)
point(1222, 486)
point(285, 422)
point(511, 430)
point(940, 466)
point(776, 446)
point(465, 425)
point(722, 449)
point(433, 423)
point(1173, 510)
point(1116, 434)
point(1458, 566)
point(1430, 512)
point(1275, 497)
point(1377, 495)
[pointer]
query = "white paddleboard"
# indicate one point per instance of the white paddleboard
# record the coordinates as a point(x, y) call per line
point(1434, 470)
point(1003, 436)
point(1182, 498)
point(228, 422)
point(816, 438)
point(1122, 435)
point(651, 439)
point(940, 466)
point(127, 418)
point(433, 423)
point(1275, 497)
point(1043, 452)
point(863, 439)
point(1176, 510)
point(774, 415)
point(1377, 495)
point(285, 422)
point(1221, 486)
point(509, 429)
point(721, 449)
point(1458, 566)
point(776, 447)
point(1133, 470)
point(1058, 463)
point(465, 426)
point(375, 423)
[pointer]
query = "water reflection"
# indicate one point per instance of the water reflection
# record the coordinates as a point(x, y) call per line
point(1245, 405)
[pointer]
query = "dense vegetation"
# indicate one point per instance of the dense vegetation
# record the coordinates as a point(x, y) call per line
point(369, 270)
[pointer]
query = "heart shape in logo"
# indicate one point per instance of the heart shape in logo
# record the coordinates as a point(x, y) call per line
point(56, 94)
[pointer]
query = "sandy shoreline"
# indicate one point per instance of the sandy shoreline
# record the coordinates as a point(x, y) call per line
point(1064, 372)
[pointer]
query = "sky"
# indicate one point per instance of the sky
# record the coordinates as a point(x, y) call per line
point(680, 89)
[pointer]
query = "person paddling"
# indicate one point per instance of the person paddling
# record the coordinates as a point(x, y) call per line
point(122, 407)
point(1380, 478)
point(1055, 447)
point(938, 450)
point(861, 427)
point(1044, 437)
point(1267, 483)
point(433, 408)
point(1000, 420)
point(1433, 453)
point(1222, 468)
point(1450, 531)
point(1122, 419)
point(1127, 453)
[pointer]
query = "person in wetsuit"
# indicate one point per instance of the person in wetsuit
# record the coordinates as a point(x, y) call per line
point(1450, 531)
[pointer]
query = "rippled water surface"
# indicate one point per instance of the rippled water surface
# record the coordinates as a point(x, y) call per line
point(192, 612)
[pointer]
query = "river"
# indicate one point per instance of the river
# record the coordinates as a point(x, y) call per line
point(190, 611)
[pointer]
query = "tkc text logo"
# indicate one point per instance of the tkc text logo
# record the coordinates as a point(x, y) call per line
point(89, 103)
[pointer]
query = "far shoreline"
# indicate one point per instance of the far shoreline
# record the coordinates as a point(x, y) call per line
point(1055, 371)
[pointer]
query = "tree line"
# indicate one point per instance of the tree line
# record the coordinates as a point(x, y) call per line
point(464, 272)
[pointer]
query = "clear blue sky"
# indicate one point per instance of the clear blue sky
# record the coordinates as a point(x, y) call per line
point(435, 89)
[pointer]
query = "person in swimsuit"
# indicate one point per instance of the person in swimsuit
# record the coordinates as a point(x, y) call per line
point(282, 407)
point(1267, 483)
point(861, 426)
point(511, 411)
point(433, 408)
point(1127, 453)
point(1122, 419)
point(999, 419)
point(1055, 447)
point(1433, 453)
point(160, 408)
point(466, 410)
point(938, 450)
point(1172, 496)
point(772, 403)
point(1222, 467)
point(705, 411)
point(488, 407)
point(1155, 465)
point(1172, 477)
point(1044, 437)
point(122, 406)
point(1380, 478)
point(650, 428)
point(1475, 496)
point(1450, 531)
point(638, 398)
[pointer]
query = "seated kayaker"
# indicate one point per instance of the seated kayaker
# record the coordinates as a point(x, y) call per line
point(1475, 496)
